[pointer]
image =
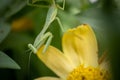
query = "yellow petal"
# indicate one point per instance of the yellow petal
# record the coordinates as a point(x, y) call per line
point(80, 45)
point(56, 61)
point(48, 78)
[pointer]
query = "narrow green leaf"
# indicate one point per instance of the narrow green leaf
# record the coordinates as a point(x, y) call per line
point(7, 62)
point(14, 8)
point(4, 30)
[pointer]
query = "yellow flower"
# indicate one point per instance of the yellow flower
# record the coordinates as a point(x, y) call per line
point(79, 59)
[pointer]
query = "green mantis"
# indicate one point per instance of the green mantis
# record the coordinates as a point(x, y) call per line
point(46, 37)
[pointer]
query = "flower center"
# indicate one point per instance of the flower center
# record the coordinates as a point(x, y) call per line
point(88, 73)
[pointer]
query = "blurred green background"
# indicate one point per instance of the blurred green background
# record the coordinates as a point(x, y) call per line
point(21, 23)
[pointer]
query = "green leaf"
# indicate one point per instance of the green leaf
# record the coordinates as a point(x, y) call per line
point(15, 7)
point(4, 30)
point(3, 5)
point(10, 7)
point(7, 62)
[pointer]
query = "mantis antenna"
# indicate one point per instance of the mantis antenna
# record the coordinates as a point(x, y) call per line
point(42, 36)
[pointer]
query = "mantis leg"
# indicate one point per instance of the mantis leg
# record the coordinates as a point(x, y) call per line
point(59, 22)
point(50, 36)
point(63, 5)
point(47, 36)
point(34, 48)
point(32, 3)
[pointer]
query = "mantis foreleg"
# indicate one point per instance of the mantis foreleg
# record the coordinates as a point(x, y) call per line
point(47, 36)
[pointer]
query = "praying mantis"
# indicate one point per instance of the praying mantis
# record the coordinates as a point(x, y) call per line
point(46, 37)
